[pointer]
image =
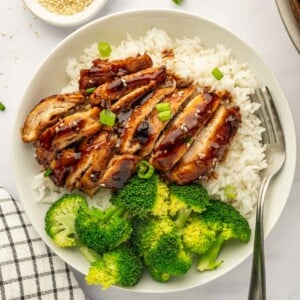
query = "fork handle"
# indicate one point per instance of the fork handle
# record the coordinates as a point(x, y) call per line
point(257, 289)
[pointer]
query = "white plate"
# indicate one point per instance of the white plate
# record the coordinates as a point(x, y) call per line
point(49, 80)
point(59, 20)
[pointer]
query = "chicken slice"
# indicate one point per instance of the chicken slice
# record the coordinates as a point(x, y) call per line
point(209, 147)
point(112, 91)
point(103, 71)
point(176, 140)
point(125, 102)
point(102, 152)
point(66, 131)
point(119, 170)
point(77, 172)
point(63, 164)
point(47, 112)
point(138, 116)
point(148, 132)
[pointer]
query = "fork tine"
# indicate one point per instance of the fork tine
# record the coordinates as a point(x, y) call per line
point(265, 105)
point(274, 118)
point(263, 115)
point(268, 116)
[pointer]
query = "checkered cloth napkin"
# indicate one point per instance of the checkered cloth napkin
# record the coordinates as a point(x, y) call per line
point(28, 269)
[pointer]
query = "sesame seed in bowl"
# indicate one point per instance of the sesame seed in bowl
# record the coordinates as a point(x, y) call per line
point(65, 12)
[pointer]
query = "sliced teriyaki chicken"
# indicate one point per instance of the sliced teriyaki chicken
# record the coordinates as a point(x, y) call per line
point(209, 147)
point(101, 152)
point(70, 164)
point(78, 170)
point(119, 170)
point(125, 102)
point(176, 140)
point(47, 112)
point(105, 71)
point(63, 164)
point(66, 131)
point(112, 91)
point(138, 116)
point(148, 131)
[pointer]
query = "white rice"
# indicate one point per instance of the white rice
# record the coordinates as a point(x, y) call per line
point(193, 61)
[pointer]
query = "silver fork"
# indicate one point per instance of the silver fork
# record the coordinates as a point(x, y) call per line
point(275, 154)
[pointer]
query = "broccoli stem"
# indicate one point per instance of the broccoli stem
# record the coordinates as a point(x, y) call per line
point(113, 211)
point(89, 254)
point(182, 217)
point(208, 261)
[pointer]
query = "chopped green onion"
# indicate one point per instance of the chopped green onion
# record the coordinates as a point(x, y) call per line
point(145, 170)
point(104, 49)
point(2, 106)
point(107, 117)
point(177, 1)
point(90, 90)
point(217, 73)
point(47, 172)
point(230, 192)
point(188, 140)
point(165, 115)
point(163, 106)
point(164, 111)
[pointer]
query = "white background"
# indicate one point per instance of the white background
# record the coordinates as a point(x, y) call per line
point(25, 41)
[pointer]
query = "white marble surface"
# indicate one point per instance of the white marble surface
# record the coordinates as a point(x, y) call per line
point(25, 41)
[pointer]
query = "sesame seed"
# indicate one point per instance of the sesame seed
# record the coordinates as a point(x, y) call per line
point(65, 7)
point(183, 128)
point(230, 118)
point(201, 155)
point(124, 82)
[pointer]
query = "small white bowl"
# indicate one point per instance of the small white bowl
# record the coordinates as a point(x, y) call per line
point(65, 20)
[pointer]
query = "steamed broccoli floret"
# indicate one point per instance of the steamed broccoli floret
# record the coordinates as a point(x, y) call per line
point(143, 196)
point(167, 258)
point(158, 241)
point(102, 230)
point(185, 199)
point(121, 266)
point(60, 219)
point(198, 236)
point(228, 223)
point(147, 231)
point(192, 196)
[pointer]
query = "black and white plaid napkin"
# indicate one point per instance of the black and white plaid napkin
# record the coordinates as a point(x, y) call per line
point(28, 269)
